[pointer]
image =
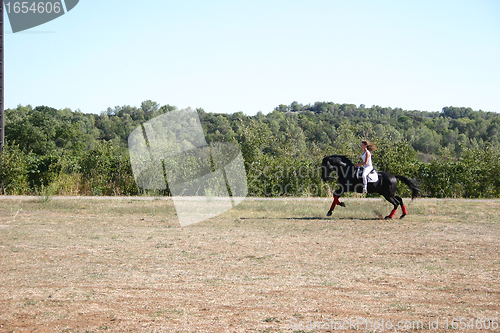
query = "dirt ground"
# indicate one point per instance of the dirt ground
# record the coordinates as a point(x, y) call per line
point(265, 266)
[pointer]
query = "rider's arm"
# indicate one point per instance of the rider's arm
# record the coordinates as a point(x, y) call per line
point(366, 159)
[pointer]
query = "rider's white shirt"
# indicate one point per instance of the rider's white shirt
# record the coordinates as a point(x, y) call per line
point(369, 162)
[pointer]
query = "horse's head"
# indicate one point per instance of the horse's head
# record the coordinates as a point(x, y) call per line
point(330, 164)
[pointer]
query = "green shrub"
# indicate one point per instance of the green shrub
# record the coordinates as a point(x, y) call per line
point(13, 172)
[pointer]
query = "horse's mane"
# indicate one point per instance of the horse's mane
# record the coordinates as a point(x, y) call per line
point(343, 158)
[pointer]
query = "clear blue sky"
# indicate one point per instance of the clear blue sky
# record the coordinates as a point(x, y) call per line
point(230, 55)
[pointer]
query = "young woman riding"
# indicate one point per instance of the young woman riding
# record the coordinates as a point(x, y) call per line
point(367, 161)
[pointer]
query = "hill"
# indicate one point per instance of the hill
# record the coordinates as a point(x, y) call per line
point(46, 146)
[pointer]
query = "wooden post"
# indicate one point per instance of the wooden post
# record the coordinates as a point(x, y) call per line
point(2, 120)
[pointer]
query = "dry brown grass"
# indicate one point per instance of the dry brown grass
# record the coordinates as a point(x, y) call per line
point(125, 265)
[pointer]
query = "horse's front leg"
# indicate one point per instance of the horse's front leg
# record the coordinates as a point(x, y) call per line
point(339, 193)
point(335, 202)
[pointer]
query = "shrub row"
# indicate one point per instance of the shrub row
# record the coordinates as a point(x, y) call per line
point(106, 170)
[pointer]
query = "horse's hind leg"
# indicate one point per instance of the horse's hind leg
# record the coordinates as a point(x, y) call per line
point(403, 208)
point(395, 202)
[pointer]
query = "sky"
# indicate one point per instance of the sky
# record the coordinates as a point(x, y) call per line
point(227, 56)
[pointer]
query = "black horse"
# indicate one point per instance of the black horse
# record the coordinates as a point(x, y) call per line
point(349, 182)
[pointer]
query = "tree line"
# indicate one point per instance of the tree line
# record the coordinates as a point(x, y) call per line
point(452, 153)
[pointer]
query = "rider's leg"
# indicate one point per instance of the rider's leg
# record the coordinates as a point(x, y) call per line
point(366, 171)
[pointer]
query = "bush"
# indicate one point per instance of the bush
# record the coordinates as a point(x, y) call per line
point(473, 175)
point(105, 171)
point(13, 172)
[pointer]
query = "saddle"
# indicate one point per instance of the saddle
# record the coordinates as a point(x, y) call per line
point(371, 178)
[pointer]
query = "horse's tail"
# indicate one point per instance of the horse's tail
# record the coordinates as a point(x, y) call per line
point(412, 184)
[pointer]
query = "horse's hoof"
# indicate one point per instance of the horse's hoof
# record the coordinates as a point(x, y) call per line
point(402, 216)
point(388, 217)
point(342, 204)
point(329, 213)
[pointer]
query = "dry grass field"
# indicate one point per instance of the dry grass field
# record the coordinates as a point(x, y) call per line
point(80, 265)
